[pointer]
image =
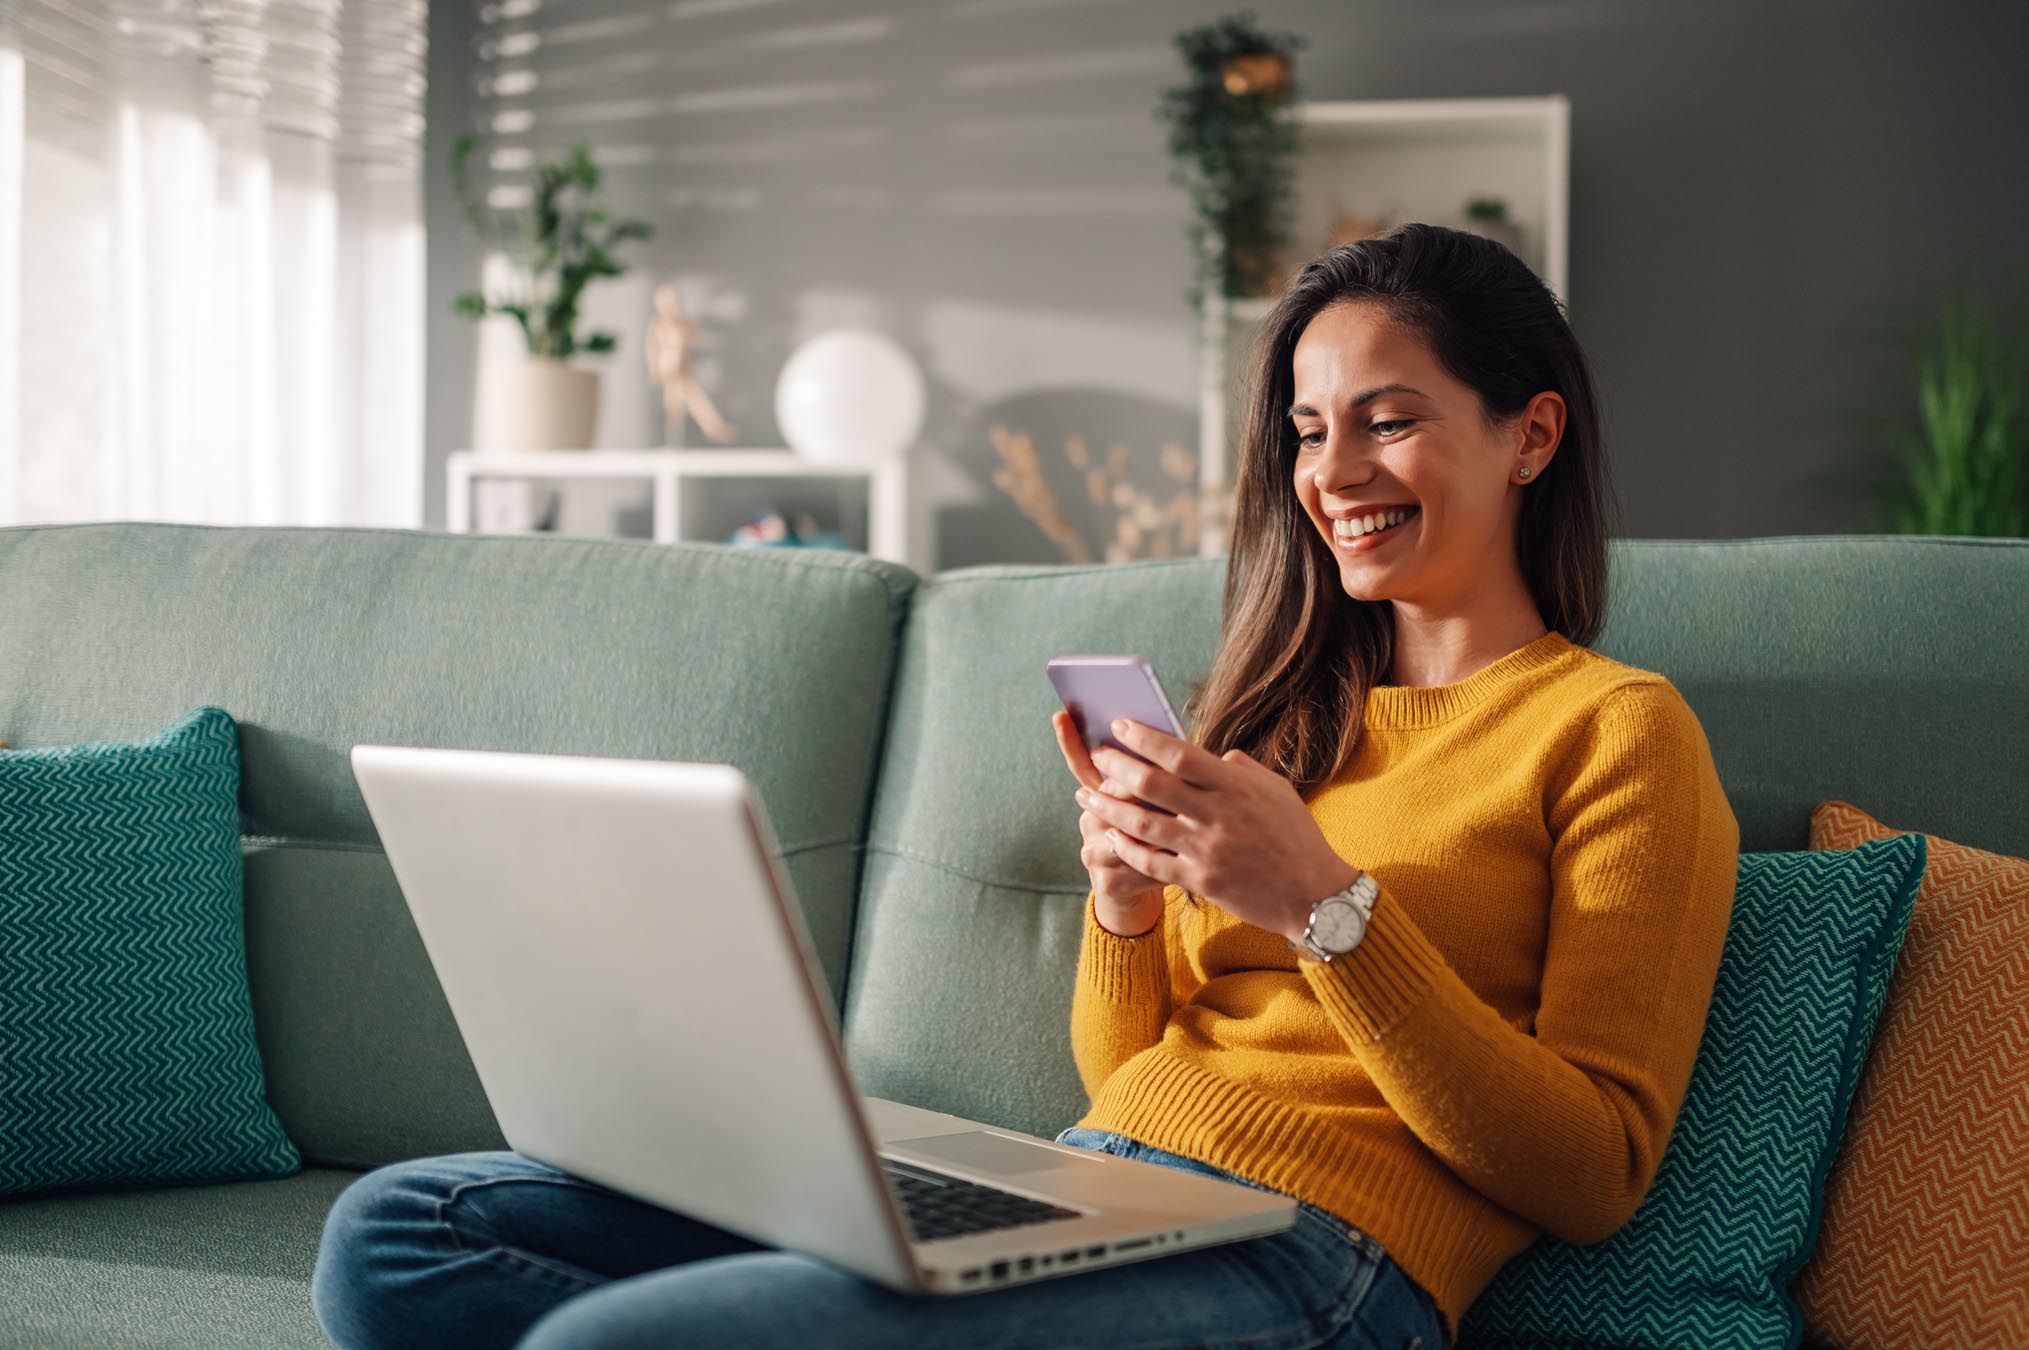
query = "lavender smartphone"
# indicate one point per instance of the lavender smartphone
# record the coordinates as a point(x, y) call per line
point(1098, 689)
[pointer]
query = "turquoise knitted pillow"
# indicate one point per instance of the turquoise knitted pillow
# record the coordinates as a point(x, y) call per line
point(127, 1053)
point(1707, 1260)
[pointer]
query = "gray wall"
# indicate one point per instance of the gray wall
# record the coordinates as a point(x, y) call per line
point(1760, 206)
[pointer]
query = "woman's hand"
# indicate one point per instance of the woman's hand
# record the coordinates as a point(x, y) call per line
point(1241, 836)
point(1127, 902)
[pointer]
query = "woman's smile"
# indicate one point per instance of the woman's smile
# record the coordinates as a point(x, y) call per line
point(1375, 538)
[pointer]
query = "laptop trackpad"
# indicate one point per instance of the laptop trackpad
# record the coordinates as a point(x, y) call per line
point(986, 1152)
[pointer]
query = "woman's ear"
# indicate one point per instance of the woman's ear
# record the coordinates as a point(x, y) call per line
point(1544, 423)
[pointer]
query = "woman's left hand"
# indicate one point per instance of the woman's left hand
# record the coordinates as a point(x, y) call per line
point(1241, 836)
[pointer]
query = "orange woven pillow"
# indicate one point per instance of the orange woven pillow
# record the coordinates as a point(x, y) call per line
point(1924, 1238)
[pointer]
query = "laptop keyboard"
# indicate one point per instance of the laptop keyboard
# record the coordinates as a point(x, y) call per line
point(938, 1206)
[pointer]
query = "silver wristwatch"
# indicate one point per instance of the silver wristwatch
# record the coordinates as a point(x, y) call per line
point(1339, 921)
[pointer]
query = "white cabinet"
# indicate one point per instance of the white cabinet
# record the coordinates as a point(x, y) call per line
point(900, 526)
point(1396, 160)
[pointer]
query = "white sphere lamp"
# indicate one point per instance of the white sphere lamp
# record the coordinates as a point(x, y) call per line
point(849, 396)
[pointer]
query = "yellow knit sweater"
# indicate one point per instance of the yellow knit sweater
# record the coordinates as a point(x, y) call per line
point(1506, 1050)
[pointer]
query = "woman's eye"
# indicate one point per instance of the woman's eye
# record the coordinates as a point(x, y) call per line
point(1311, 440)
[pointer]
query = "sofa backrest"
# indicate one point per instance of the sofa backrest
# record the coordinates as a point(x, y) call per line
point(1888, 671)
point(1891, 672)
point(778, 661)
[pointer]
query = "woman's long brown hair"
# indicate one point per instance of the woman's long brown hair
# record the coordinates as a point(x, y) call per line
point(1297, 655)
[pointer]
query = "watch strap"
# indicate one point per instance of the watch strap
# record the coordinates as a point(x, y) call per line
point(1362, 895)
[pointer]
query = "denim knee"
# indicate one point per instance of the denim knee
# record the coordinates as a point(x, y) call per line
point(375, 1234)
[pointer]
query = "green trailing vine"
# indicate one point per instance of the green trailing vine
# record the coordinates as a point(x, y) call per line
point(1968, 469)
point(1233, 142)
point(560, 242)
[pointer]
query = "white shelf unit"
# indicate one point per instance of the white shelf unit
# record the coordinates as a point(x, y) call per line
point(1397, 160)
point(899, 527)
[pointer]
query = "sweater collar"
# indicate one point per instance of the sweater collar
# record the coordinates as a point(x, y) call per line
point(1392, 705)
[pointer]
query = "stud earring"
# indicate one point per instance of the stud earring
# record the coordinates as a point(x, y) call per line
point(1525, 471)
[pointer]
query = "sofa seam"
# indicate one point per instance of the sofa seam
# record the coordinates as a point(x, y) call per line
point(986, 572)
point(304, 841)
point(853, 561)
point(957, 871)
point(878, 734)
point(355, 846)
point(1953, 540)
point(989, 572)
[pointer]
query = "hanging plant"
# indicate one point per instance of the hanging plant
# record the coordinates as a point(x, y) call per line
point(1233, 142)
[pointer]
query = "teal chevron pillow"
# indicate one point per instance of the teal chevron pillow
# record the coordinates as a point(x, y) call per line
point(127, 1054)
point(1733, 1214)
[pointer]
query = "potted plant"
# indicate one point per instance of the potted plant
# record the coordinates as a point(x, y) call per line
point(1968, 470)
point(1489, 216)
point(556, 244)
point(1233, 141)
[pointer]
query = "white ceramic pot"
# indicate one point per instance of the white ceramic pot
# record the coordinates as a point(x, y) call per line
point(532, 403)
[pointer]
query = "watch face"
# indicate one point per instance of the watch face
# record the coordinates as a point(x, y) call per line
point(1338, 925)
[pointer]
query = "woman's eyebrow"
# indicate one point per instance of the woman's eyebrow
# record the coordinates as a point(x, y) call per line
point(1305, 410)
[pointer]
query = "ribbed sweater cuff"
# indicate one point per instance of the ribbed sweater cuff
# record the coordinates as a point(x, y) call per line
point(1123, 969)
point(1376, 984)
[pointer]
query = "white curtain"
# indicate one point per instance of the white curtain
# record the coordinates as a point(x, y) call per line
point(211, 261)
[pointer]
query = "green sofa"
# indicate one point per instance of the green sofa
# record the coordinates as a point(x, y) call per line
point(897, 730)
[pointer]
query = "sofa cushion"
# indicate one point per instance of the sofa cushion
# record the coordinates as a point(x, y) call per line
point(1708, 1257)
point(959, 996)
point(179, 1268)
point(1925, 1239)
point(126, 1035)
point(776, 660)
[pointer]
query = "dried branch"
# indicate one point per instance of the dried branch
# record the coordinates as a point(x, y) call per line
point(1167, 528)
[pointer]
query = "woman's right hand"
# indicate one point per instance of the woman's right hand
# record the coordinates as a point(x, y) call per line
point(1127, 903)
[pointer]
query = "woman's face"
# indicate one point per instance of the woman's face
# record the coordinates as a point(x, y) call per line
point(1381, 424)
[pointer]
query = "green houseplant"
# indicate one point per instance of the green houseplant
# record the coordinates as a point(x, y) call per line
point(1968, 467)
point(1488, 216)
point(557, 244)
point(1233, 143)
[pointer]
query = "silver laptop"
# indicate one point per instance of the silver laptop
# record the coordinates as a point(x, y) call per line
point(638, 991)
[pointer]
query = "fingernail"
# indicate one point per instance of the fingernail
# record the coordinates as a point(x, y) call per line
point(1120, 726)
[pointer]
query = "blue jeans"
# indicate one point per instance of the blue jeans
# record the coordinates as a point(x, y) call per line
point(496, 1249)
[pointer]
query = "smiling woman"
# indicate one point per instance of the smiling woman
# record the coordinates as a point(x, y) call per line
point(1442, 891)
point(1426, 370)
